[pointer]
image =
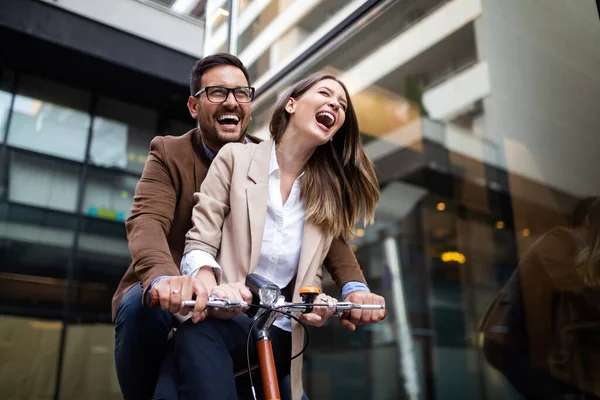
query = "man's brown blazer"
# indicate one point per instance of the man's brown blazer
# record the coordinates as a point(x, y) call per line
point(161, 215)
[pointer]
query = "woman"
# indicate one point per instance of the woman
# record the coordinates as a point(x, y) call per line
point(273, 209)
point(575, 361)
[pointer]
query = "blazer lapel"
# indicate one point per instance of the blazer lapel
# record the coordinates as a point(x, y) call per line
point(257, 196)
point(311, 238)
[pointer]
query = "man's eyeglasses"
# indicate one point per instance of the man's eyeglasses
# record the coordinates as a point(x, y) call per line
point(218, 94)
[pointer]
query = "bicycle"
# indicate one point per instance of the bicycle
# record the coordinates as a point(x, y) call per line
point(267, 305)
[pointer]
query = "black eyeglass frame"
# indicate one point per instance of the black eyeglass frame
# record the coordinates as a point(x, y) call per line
point(229, 90)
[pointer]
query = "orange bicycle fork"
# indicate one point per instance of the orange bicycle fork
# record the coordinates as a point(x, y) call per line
point(266, 359)
point(268, 373)
point(264, 347)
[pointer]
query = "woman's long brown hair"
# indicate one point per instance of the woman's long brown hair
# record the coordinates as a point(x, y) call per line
point(339, 183)
point(588, 262)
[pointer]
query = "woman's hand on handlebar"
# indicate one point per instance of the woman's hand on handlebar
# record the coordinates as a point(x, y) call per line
point(230, 291)
point(319, 315)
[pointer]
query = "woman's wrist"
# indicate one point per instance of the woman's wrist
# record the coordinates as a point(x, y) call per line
point(206, 275)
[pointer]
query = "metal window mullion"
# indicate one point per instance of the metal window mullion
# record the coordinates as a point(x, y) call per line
point(232, 26)
point(406, 351)
point(4, 148)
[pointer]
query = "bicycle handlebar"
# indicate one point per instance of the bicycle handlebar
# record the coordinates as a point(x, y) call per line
point(216, 303)
point(339, 306)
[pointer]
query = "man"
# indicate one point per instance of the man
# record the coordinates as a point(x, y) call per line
point(161, 216)
point(547, 272)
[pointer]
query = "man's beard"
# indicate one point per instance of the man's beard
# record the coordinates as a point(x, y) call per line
point(228, 139)
point(212, 134)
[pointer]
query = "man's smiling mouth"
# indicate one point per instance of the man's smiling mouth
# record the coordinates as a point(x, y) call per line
point(228, 119)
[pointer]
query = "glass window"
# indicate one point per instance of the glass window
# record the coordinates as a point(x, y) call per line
point(42, 182)
point(261, 116)
point(103, 254)
point(178, 128)
point(89, 367)
point(101, 262)
point(35, 245)
point(216, 25)
point(50, 118)
point(109, 195)
point(466, 162)
point(37, 230)
point(273, 33)
point(121, 135)
point(29, 357)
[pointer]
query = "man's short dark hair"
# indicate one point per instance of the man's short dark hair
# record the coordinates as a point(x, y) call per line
point(581, 210)
point(208, 62)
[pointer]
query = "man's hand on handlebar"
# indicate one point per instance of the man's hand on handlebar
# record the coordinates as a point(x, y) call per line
point(230, 291)
point(319, 315)
point(363, 317)
point(176, 289)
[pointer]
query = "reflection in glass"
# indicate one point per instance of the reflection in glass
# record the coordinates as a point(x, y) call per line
point(102, 258)
point(99, 274)
point(109, 195)
point(89, 368)
point(273, 33)
point(42, 182)
point(29, 357)
point(430, 301)
point(121, 134)
point(50, 118)
point(178, 128)
point(216, 26)
point(34, 249)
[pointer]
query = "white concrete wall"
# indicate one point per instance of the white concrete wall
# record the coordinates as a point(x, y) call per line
point(544, 59)
point(141, 20)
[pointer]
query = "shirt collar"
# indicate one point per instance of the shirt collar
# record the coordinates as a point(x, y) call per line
point(209, 153)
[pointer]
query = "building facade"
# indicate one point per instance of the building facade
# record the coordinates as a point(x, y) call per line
point(80, 101)
point(480, 117)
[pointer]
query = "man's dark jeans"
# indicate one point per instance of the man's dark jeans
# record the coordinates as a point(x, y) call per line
point(141, 336)
point(141, 344)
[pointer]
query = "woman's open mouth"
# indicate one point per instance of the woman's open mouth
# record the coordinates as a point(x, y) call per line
point(325, 119)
